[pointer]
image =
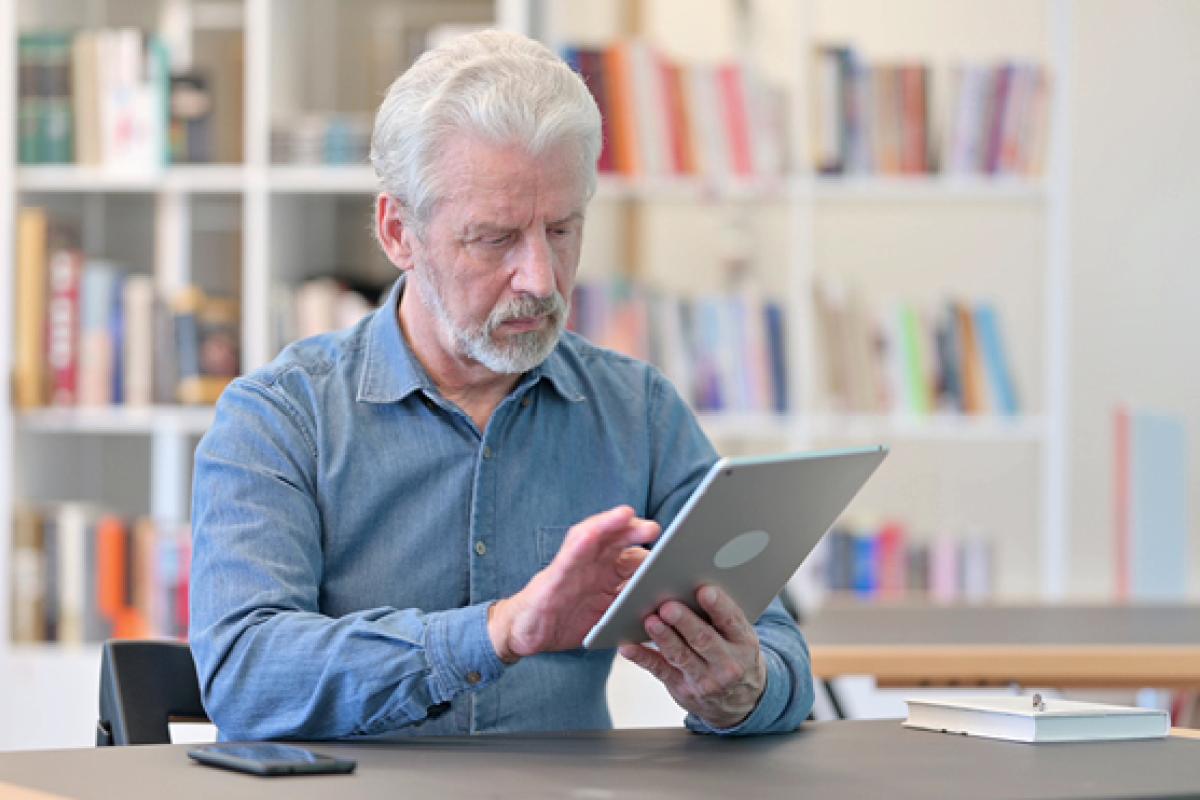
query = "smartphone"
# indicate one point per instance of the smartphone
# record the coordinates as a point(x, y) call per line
point(267, 758)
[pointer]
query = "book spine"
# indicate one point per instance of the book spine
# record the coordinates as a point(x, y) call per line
point(62, 350)
point(29, 369)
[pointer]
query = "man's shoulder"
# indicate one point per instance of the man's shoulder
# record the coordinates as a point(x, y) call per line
point(315, 360)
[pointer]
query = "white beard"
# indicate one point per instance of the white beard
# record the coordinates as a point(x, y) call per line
point(522, 352)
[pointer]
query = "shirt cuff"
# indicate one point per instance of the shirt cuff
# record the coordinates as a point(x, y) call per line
point(459, 650)
point(770, 705)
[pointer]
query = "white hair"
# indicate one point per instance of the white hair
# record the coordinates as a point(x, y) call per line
point(501, 86)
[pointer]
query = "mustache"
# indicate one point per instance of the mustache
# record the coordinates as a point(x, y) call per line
point(525, 306)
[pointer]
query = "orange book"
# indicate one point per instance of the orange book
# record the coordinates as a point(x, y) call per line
point(140, 611)
point(110, 567)
point(679, 124)
point(624, 120)
point(974, 391)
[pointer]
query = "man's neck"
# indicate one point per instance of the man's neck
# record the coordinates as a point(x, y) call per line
point(468, 384)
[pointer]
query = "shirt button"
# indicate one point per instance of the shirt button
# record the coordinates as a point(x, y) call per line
point(474, 677)
point(487, 452)
point(481, 548)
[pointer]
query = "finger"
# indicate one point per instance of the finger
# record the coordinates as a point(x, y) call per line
point(652, 662)
point(674, 649)
point(629, 561)
point(612, 530)
point(726, 615)
point(700, 636)
point(592, 532)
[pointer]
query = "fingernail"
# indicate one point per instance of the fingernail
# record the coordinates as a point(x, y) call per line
point(709, 594)
point(670, 613)
point(655, 626)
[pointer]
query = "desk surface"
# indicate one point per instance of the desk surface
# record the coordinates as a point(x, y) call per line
point(831, 759)
point(1110, 646)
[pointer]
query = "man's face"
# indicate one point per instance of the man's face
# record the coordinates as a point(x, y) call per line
point(498, 257)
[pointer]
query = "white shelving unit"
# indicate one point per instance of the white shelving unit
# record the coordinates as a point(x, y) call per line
point(33, 676)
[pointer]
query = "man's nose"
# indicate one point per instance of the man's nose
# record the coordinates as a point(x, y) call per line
point(534, 274)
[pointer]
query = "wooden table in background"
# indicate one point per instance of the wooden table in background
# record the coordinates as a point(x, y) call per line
point(1109, 646)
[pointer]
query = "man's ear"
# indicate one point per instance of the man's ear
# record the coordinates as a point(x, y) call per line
point(393, 232)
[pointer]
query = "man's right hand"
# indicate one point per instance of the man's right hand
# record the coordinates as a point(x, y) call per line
point(561, 603)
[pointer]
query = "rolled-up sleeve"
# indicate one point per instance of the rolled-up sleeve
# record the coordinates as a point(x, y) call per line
point(270, 664)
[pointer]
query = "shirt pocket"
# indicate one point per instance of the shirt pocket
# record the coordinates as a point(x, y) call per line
point(549, 541)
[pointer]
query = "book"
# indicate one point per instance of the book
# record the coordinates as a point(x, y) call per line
point(206, 342)
point(30, 377)
point(1151, 505)
point(1032, 719)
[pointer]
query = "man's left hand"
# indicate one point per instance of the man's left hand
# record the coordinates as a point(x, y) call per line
point(716, 671)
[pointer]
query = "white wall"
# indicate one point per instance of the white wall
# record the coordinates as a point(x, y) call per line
point(1135, 236)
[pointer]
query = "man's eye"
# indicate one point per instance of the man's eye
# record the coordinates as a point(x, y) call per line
point(498, 239)
point(560, 233)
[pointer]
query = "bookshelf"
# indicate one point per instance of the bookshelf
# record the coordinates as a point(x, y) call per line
point(266, 202)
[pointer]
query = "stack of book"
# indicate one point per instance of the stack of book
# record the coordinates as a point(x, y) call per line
point(90, 333)
point(662, 118)
point(952, 359)
point(81, 574)
point(883, 118)
point(723, 353)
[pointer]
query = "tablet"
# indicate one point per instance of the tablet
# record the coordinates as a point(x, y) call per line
point(746, 528)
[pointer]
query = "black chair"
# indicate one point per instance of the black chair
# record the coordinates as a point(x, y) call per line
point(143, 686)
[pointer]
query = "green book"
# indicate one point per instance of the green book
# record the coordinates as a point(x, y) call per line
point(28, 100)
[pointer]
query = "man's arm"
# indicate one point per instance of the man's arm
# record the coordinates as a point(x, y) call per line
point(270, 664)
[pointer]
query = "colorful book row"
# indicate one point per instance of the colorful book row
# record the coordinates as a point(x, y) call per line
point(891, 119)
point(107, 97)
point(83, 575)
point(89, 333)
point(662, 118)
point(723, 353)
point(882, 561)
point(950, 360)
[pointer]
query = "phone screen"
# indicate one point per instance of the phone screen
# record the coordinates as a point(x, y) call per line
point(269, 758)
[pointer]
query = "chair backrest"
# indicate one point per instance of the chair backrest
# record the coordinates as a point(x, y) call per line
point(143, 685)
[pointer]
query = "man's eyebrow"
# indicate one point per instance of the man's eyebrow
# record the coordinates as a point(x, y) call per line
point(572, 217)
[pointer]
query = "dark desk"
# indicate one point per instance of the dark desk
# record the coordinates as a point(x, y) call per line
point(1053, 646)
point(827, 759)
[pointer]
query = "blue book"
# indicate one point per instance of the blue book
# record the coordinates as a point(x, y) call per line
point(1158, 514)
point(777, 352)
point(866, 563)
point(1002, 392)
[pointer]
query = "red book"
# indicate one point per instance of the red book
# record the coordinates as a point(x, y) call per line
point(591, 66)
point(62, 326)
point(914, 126)
point(1121, 454)
point(892, 560)
point(999, 108)
point(733, 106)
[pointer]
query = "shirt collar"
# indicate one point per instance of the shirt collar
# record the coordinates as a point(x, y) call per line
point(391, 371)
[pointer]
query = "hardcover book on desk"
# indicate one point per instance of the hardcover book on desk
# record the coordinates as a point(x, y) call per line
point(1020, 719)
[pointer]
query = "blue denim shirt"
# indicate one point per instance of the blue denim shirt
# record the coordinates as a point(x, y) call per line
point(352, 527)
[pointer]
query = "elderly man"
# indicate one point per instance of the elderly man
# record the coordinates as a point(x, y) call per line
point(408, 527)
